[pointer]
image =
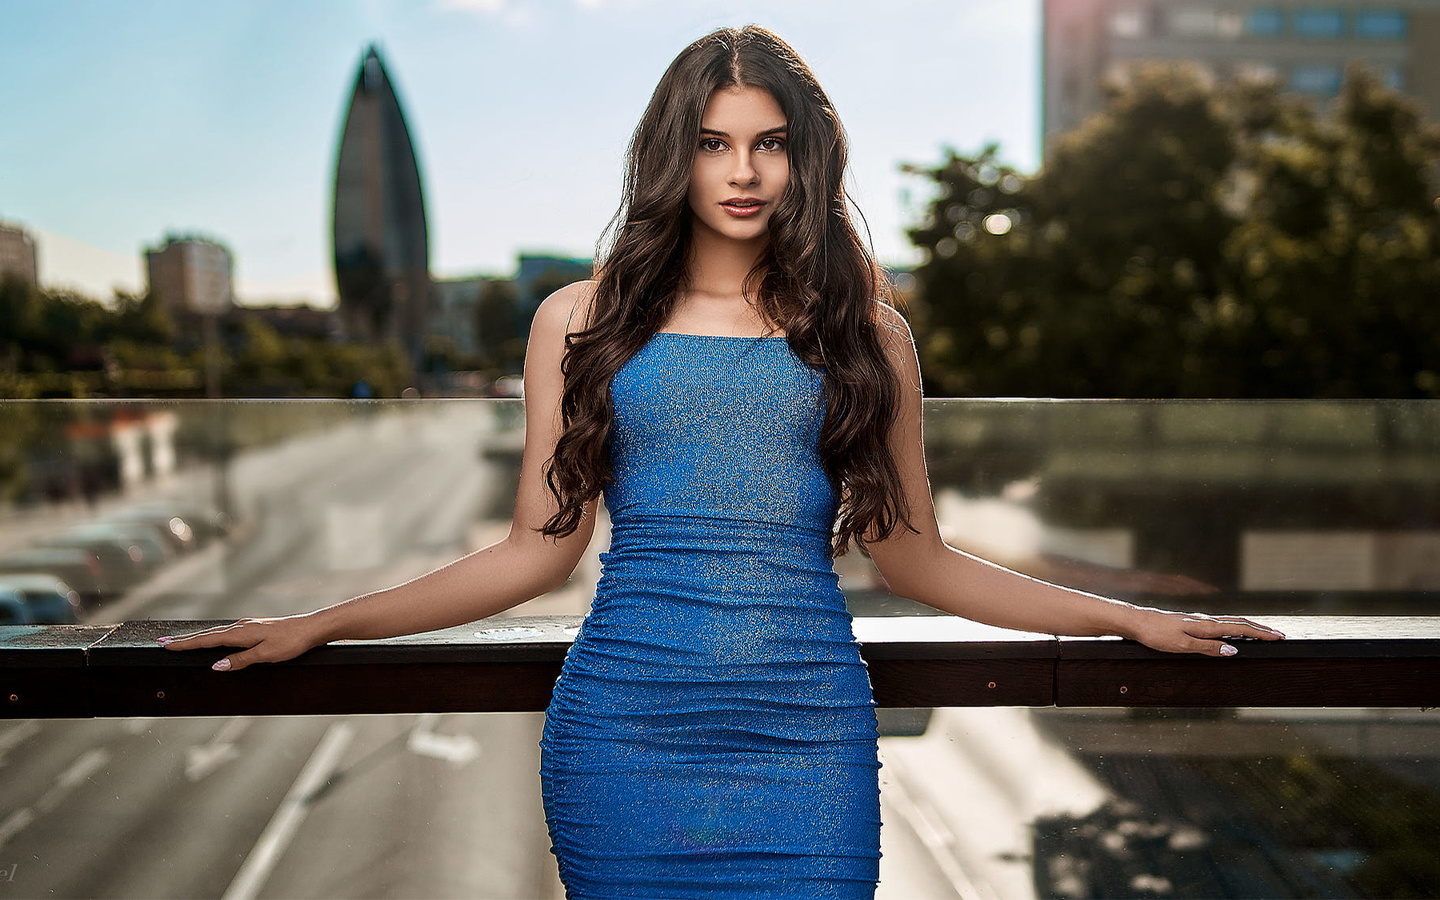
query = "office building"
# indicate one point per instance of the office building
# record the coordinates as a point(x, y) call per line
point(17, 254)
point(191, 275)
point(1305, 46)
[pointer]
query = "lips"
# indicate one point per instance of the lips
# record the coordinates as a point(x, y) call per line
point(742, 207)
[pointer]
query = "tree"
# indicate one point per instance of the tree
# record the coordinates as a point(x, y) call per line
point(497, 334)
point(1191, 242)
point(142, 318)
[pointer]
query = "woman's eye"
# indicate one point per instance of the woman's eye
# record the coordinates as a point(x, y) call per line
point(778, 143)
point(706, 145)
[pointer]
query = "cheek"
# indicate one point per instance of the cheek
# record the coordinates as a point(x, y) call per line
point(697, 184)
point(779, 173)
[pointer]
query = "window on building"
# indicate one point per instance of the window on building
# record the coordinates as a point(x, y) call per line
point(1381, 24)
point(1265, 22)
point(1319, 22)
point(1316, 78)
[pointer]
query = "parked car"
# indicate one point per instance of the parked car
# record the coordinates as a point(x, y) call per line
point(76, 566)
point(49, 600)
point(13, 610)
point(122, 561)
point(155, 551)
point(171, 526)
point(207, 523)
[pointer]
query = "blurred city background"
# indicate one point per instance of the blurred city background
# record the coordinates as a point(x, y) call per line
point(1202, 234)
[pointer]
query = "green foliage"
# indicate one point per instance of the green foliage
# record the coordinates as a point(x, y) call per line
point(19, 423)
point(142, 318)
point(498, 333)
point(1192, 242)
point(270, 364)
point(49, 333)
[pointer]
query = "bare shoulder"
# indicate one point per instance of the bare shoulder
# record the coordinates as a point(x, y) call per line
point(894, 330)
point(565, 311)
point(898, 341)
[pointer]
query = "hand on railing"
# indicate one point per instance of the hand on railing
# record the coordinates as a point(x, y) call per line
point(1177, 632)
point(269, 640)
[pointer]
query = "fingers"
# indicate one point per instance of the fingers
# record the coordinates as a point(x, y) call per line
point(1255, 629)
point(232, 635)
point(1209, 647)
point(1206, 635)
point(1238, 626)
point(266, 640)
point(237, 661)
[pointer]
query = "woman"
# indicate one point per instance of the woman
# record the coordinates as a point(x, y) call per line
point(734, 386)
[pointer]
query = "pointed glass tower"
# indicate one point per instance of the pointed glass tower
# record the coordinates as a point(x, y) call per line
point(382, 246)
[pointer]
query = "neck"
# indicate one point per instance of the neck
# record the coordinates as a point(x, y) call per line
point(717, 265)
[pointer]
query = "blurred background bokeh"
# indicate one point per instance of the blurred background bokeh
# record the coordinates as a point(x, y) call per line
point(1208, 227)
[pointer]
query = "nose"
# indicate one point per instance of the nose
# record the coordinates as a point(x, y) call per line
point(743, 171)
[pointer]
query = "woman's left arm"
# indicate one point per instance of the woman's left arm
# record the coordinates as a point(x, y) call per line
point(920, 566)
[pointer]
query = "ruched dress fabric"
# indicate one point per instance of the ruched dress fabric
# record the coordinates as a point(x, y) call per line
point(713, 732)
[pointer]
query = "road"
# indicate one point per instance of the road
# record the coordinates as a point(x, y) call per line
point(430, 806)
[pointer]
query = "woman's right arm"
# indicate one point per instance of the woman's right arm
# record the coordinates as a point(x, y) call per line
point(524, 565)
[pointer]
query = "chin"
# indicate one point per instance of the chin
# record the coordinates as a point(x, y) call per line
point(742, 231)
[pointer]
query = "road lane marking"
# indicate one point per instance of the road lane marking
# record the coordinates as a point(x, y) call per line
point(78, 771)
point(256, 869)
point(24, 730)
point(202, 759)
point(456, 749)
point(16, 823)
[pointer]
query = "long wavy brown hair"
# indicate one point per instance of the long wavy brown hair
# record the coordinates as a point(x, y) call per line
point(816, 281)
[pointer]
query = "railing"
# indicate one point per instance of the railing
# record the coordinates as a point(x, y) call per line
point(510, 665)
point(1296, 768)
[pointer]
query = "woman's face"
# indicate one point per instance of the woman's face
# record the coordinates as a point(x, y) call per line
point(741, 164)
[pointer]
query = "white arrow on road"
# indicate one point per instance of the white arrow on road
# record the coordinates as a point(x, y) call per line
point(202, 759)
point(457, 749)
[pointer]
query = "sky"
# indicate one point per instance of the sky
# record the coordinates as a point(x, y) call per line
point(125, 120)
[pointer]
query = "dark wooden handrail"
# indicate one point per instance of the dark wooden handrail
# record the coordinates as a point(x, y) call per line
point(510, 664)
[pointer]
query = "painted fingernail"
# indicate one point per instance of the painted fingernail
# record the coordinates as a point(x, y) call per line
point(1228, 650)
point(224, 664)
point(164, 640)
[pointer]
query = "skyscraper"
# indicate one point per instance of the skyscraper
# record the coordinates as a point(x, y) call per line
point(382, 245)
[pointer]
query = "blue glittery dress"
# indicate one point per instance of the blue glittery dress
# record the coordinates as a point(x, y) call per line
point(712, 733)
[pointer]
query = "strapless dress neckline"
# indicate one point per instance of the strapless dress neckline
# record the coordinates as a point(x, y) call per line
point(726, 337)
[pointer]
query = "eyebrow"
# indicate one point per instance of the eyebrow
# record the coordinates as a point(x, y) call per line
point(778, 129)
